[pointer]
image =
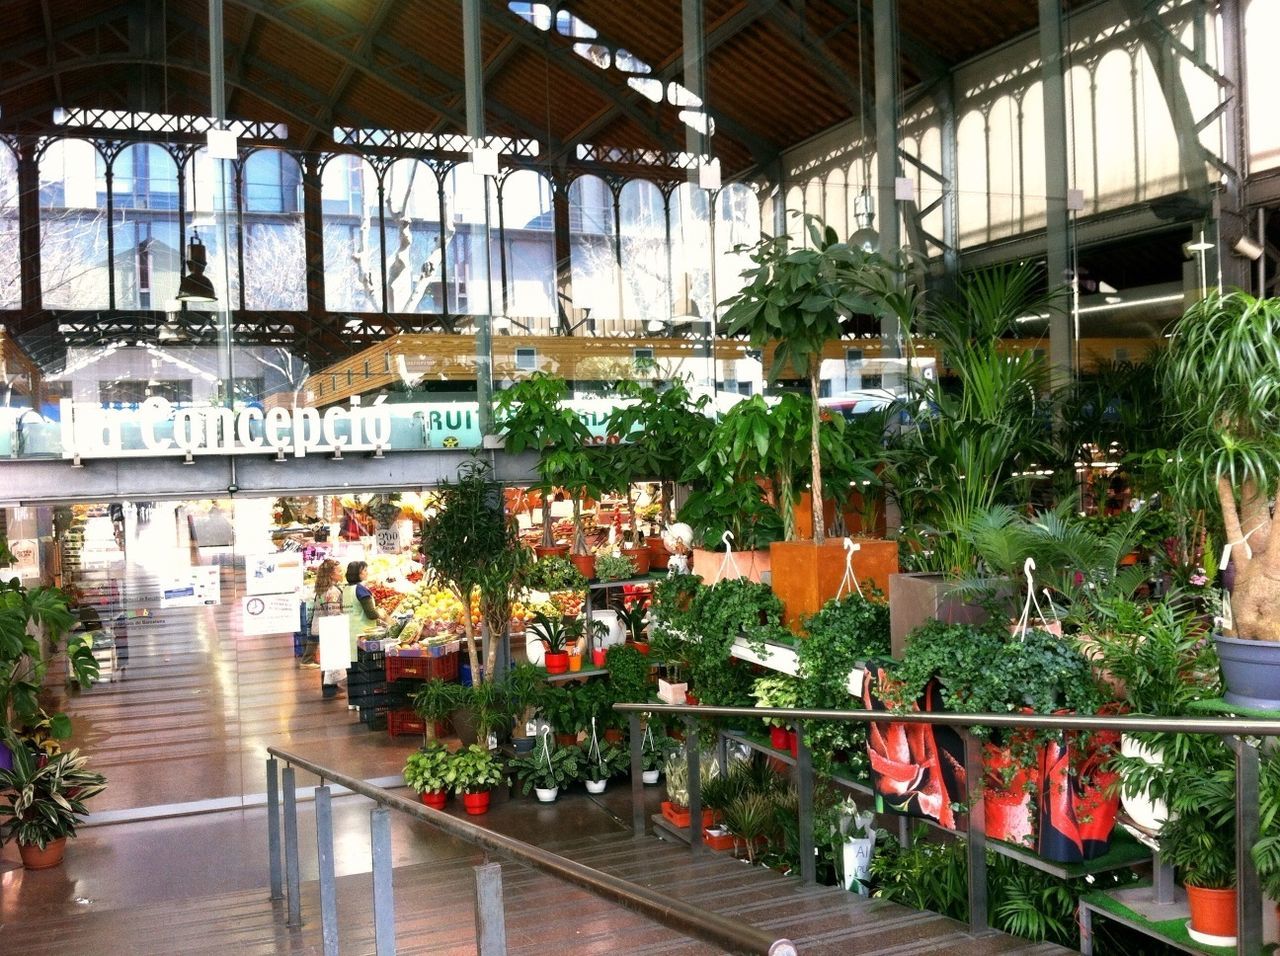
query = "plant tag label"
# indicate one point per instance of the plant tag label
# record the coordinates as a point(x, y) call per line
point(531, 729)
point(493, 741)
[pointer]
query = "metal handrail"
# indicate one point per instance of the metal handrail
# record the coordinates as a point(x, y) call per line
point(1186, 725)
point(1249, 895)
point(733, 935)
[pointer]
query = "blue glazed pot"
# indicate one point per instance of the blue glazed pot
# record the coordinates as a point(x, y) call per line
point(1251, 671)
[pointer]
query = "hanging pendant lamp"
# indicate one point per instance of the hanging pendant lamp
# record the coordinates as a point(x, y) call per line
point(195, 285)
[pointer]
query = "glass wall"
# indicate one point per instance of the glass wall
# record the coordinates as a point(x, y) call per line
point(10, 259)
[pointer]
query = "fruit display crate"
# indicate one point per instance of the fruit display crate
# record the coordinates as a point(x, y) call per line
point(444, 667)
point(404, 721)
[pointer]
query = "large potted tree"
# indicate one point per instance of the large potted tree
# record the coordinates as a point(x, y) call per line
point(472, 546)
point(531, 416)
point(1218, 379)
point(797, 300)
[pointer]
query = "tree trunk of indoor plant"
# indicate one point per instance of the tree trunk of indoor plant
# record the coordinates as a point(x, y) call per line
point(819, 527)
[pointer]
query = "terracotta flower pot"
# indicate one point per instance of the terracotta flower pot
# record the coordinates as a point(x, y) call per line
point(641, 646)
point(555, 551)
point(659, 556)
point(806, 575)
point(586, 564)
point(435, 798)
point(613, 735)
point(1213, 912)
point(566, 740)
point(476, 803)
point(34, 858)
point(556, 662)
point(639, 557)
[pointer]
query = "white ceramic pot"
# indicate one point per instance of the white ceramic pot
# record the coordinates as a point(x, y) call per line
point(617, 633)
point(1142, 809)
point(596, 786)
point(534, 649)
point(546, 796)
point(649, 776)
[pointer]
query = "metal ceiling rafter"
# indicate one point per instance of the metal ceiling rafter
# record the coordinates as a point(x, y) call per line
point(75, 29)
point(277, 14)
point(52, 54)
point(363, 44)
point(794, 27)
point(529, 36)
point(126, 58)
point(763, 150)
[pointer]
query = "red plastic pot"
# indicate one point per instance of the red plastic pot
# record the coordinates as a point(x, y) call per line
point(556, 662)
point(1213, 912)
point(435, 799)
point(779, 738)
point(476, 803)
point(793, 742)
point(598, 655)
point(641, 646)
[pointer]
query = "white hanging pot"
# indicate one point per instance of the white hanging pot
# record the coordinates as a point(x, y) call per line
point(1146, 812)
point(546, 796)
point(596, 786)
point(649, 776)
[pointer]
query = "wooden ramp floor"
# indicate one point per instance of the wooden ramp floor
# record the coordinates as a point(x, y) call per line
point(434, 914)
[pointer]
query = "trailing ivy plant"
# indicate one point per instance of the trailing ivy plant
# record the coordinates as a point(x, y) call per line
point(629, 673)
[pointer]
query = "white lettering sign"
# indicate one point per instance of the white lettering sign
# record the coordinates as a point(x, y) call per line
point(90, 431)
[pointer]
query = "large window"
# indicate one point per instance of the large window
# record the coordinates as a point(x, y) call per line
point(646, 262)
point(10, 259)
point(690, 226)
point(738, 224)
point(466, 194)
point(274, 246)
point(146, 232)
point(592, 249)
point(352, 242)
point(411, 237)
point(529, 246)
point(73, 228)
point(210, 196)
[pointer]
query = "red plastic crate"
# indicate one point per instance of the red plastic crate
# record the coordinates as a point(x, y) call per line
point(444, 667)
point(404, 721)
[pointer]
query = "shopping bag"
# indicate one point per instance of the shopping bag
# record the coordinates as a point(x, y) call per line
point(335, 643)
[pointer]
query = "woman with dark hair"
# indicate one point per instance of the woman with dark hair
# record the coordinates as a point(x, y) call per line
point(357, 571)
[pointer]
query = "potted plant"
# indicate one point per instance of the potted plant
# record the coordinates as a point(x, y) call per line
point(750, 818)
point(1220, 355)
point(546, 770)
point(482, 709)
point(634, 615)
point(597, 630)
point(603, 763)
point(654, 751)
point(778, 690)
point(554, 635)
point(614, 567)
point(629, 672)
point(676, 771)
point(469, 538)
point(426, 772)
point(797, 300)
point(736, 512)
point(1158, 663)
point(435, 702)
point(42, 802)
point(33, 625)
point(557, 705)
point(555, 573)
point(1199, 838)
point(473, 772)
point(523, 685)
point(530, 416)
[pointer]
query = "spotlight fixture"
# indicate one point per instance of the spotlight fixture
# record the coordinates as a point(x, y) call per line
point(279, 459)
point(189, 460)
point(76, 462)
point(195, 285)
point(1248, 248)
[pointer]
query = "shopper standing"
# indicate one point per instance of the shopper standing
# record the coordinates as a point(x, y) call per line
point(326, 602)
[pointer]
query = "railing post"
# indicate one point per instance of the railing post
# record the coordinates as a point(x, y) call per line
point(977, 836)
point(637, 769)
point(1248, 890)
point(804, 794)
point(291, 846)
point(384, 907)
point(324, 864)
point(273, 829)
point(491, 926)
point(694, 757)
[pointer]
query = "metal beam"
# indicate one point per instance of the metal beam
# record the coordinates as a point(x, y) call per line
point(826, 64)
point(694, 48)
point(371, 67)
point(763, 150)
point(52, 55)
point(1057, 246)
point(1232, 222)
point(363, 45)
point(885, 38)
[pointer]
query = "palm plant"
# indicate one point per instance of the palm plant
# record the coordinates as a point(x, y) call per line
point(551, 630)
point(750, 818)
point(960, 456)
point(1219, 378)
